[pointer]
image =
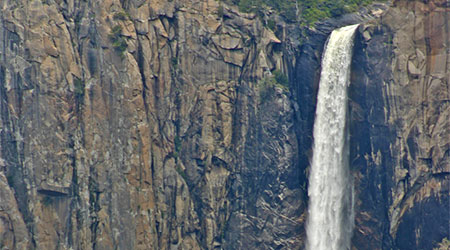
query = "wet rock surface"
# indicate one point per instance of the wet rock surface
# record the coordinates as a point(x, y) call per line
point(400, 121)
point(399, 125)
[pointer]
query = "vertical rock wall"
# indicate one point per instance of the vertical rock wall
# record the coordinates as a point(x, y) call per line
point(401, 136)
point(137, 125)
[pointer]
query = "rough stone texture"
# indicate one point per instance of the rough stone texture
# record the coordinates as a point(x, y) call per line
point(132, 125)
point(400, 128)
point(13, 232)
point(165, 143)
point(399, 111)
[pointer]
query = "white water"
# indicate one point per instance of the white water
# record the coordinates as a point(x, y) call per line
point(330, 220)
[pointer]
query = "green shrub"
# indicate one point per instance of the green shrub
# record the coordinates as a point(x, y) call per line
point(268, 83)
point(177, 147)
point(177, 142)
point(78, 89)
point(271, 24)
point(247, 6)
point(310, 11)
point(220, 11)
point(78, 93)
point(174, 62)
point(182, 173)
point(281, 78)
point(118, 41)
point(122, 15)
point(116, 31)
point(265, 87)
point(120, 45)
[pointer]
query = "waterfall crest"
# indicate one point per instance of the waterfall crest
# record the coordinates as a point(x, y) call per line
point(330, 220)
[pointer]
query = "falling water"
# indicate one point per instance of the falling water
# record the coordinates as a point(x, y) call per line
point(330, 191)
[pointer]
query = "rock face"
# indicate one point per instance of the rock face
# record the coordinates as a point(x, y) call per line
point(400, 123)
point(140, 124)
point(137, 125)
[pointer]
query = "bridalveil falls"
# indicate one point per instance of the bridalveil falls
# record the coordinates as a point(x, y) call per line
point(330, 219)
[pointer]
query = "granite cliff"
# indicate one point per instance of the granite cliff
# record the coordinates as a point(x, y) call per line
point(401, 105)
point(146, 124)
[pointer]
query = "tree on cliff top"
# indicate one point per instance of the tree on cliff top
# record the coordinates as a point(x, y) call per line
point(304, 11)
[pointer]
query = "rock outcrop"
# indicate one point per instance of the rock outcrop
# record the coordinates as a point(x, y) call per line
point(141, 124)
point(400, 117)
point(137, 125)
point(399, 112)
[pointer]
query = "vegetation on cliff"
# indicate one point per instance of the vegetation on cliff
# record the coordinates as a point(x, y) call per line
point(267, 84)
point(307, 12)
point(118, 40)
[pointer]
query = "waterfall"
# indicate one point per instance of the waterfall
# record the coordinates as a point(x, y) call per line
point(330, 219)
